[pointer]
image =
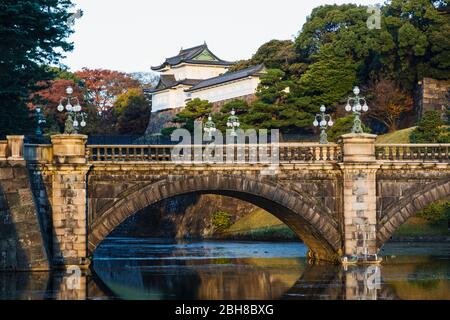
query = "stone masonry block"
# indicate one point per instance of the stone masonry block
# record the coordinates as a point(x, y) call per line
point(6, 173)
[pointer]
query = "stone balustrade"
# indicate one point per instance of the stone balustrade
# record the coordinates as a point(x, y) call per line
point(413, 152)
point(37, 153)
point(287, 153)
point(12, 148)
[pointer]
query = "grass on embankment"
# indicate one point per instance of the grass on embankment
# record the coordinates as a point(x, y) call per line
point(417, 227)
point(399, 136)
point(259, 225)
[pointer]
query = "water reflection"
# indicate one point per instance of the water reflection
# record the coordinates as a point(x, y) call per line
point(157, 269)
point(161, 269)
point(341, 283)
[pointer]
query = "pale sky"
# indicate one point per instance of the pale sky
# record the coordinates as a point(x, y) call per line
point(134, 35)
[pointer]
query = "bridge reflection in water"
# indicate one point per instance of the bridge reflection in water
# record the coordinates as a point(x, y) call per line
point(192, 272)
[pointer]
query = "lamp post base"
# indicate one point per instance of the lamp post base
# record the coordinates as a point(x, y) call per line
point(357, 125)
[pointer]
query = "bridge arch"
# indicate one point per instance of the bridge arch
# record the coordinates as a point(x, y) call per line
point(398, 213)
point(311, 222)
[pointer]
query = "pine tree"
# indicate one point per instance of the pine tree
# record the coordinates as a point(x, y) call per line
point(430, 129)
point(328, 80)
point(195, 110)
point(31, 32)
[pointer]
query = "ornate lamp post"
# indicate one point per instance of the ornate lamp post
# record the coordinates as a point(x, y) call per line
point(354, 105)
point(323, 120)
point(75, 117)
point(210, 126)
point(233, 123)
point(39, 120)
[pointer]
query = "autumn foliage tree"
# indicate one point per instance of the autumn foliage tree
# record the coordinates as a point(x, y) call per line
point(99, 92)
point(388, 103)
point(104, 86)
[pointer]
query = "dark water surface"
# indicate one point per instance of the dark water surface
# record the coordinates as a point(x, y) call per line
point(134, 268)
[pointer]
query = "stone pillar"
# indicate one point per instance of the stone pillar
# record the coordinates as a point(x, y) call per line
point(69, 205)
point(359, 173)
point(15, 148)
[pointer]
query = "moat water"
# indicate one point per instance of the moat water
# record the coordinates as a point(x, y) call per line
point(135, 268)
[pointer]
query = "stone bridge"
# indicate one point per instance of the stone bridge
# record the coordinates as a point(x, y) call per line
point(59, 201)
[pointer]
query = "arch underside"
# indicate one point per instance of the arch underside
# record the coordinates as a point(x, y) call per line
point(398, 213)
point(311, 223)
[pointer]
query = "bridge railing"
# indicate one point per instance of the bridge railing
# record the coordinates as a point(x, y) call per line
point(293, 152)
point(287, 153)
point(38, 152)
point(413, 152)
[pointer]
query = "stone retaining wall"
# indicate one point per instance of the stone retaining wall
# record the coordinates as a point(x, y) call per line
point(433, 95)
point(21, 243)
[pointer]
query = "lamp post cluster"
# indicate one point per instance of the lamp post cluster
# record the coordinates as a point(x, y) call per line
point(75, 117)
point(354, 105)
point(357, 105)
point(232, 122)
point(210, 126)
point(323, 121)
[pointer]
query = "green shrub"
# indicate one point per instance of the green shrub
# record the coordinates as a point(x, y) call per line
point(166, 132)
point(436, 212)
point(221, 220)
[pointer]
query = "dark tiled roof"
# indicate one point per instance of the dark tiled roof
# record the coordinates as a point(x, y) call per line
point(231, 76)
point(188, 55)
point(169, 81)
point(166, 81)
